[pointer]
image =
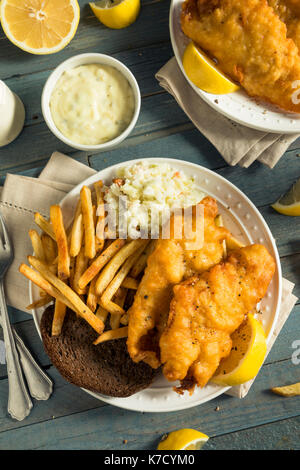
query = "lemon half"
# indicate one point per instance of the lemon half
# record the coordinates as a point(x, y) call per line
point(116, 14)
point(40, 27)
point(249, 347)
point(203, 72)
point(289, 203)
point(183, 439)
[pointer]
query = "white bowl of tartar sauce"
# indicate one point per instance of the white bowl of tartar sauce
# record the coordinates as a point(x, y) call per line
point(91, 102)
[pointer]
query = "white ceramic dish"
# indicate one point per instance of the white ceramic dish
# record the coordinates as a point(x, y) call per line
point(245, 222)
point(237, 106)
point(83, 59)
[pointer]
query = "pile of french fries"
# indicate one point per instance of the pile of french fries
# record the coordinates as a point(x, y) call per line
point(81, 268)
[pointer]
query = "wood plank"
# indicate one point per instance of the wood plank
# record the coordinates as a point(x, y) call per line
point(284, 229)
point(143, 63)
point(190, 145)
point(283, 346)
point(107, 426)
point(262, 184)
point(161, 126)
point(38, 142)
point(151, 27)
point(291, 270)
point(282, 349)
point(282, 435)
point(65, 400)
point(31, 149)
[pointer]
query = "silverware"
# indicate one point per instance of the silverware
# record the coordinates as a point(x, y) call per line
point(39, 384)
point(19, 402)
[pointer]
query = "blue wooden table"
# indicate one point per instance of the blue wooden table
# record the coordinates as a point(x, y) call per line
point(71, 419)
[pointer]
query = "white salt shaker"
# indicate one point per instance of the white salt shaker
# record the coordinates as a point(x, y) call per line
point(12, 115)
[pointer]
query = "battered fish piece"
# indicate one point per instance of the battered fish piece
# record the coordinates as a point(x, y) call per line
point(250, 44)
point(171, 261)
point(289, 12)
point(207, 309)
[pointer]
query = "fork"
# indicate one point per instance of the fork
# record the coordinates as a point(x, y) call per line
point(40, 386)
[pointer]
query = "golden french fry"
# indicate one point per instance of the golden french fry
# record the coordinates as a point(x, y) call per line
point(100, 262)
point(41, 282)
point(292, 390)
point(46, 299)
point(130, 283)
point(37, 245)
point(116, 282)
point(100, 216)
point(101, 313)
point(124, 319)
point(63, 265)
point(50, 247)
point(115, 263)
point(81, 265)
point(112, 334)
point(72, 271)
point(58, 318)
point(69, 294)
point(141, 263)
point(88, 222)
point(92, 299)
point(44, 225)
point(95, 216)
point(76, 237)
point(112, 307)
point(119, 300)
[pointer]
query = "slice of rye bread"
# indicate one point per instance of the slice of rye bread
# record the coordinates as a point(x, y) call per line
point(105, 368)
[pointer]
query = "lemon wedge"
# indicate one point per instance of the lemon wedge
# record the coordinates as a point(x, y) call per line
point(249, 349)
point(183, 439)
point(116, 14)
point(40, 27)
point(287, 390)
point(289, 203)
point(203, 72)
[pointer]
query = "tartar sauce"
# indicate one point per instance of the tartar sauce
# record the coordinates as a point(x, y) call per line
point(92, 104)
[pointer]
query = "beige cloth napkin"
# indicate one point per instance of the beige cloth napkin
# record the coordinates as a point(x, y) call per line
point(21, 196)
point(236, 143)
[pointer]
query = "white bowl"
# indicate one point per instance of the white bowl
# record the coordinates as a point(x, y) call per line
point(83, 59)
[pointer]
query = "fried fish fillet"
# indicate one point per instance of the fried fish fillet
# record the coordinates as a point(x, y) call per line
point(206, 309)
point(172, 260)
point(249, 42)
point(289, 12)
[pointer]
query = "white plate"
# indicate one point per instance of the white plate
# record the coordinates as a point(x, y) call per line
point(237, 106)
point(243, 219)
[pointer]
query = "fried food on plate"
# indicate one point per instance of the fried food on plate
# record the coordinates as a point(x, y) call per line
point(168, 264)
point(207, 309)
point(249, 42)
point(289, 12)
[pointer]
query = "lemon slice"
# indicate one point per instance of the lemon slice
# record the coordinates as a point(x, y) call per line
point(40, 27)
point(289, 203)
point(287, 390)
point(247, 355)
point(203, 72)
point(116, 14)
point(183, 439)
